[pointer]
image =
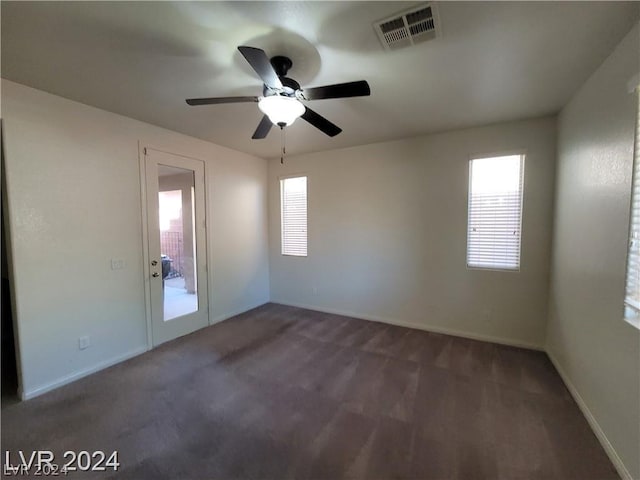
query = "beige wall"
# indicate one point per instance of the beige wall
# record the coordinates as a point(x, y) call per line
point(387, 234)
point(74, 204)
point(598, 352)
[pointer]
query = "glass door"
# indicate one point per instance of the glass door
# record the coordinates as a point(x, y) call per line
point(177, 244)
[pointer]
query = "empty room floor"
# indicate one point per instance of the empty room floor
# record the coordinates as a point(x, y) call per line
point(281, 392)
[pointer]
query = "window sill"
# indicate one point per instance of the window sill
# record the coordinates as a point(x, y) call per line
point(493, 269)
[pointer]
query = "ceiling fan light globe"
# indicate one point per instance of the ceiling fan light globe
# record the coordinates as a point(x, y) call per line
point(281, 109)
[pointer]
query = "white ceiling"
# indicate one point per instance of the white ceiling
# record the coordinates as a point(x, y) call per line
point(495, 61)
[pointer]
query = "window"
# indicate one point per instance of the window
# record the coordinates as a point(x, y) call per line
point(632, 290)
point(495, 212)
point(293, 215)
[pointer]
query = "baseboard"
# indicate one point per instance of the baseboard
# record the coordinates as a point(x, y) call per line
point(227, 316)
point(417, 326)
point(593, 423)
point(28, 394)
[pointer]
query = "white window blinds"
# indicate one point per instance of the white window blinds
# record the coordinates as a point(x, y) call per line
point(293, 202)
point(495, 212)
point(632, 293)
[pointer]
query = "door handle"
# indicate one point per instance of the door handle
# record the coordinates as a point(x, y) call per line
point(154, 263)
point(155, 274)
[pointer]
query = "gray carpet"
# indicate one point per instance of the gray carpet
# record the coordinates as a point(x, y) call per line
point(280, 392)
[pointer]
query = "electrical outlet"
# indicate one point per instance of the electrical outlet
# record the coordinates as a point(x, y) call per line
point(486, 314)
point(315, 290)
point(84, 342)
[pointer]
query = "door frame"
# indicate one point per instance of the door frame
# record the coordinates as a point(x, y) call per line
point(146, 269)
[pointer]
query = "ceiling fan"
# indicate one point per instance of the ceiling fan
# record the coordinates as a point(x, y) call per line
point(282, 97)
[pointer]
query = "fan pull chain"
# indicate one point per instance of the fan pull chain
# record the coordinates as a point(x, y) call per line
point(283, 151)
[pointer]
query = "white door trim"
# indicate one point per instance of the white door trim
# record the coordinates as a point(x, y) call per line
point(146, 272)
point(143, 147)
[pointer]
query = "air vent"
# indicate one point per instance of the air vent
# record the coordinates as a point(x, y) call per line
point(409, 27)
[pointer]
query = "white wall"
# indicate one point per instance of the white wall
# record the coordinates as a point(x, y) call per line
point(387, 234)
point(598, 353)
point(74, 204)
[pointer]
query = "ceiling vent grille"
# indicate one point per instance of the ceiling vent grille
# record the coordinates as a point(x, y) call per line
point(409, 27)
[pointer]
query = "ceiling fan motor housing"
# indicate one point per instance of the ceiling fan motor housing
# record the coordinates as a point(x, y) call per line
point(290, 86)
point(281, 65)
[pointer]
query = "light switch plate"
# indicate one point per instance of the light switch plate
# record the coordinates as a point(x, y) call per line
point(117, 264)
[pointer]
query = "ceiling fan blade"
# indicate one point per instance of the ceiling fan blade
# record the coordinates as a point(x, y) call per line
point(261, 64)
point(217, 100)
point(320, 122)
point(263, 128)
point(339, 90)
